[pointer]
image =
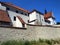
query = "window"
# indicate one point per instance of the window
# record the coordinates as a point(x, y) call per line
point(25, 14)
point(28, 21)
point(8, 8)
point(21, 12)
point(42, 19)
point(47, 21)
point(14, 18)
point(16, 11)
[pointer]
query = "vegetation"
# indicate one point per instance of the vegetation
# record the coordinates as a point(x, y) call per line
point(39, 42)
point(58, 23)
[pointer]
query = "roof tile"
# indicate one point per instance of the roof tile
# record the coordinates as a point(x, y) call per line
point(22, 21)
point(4, 16)
point(48, 15)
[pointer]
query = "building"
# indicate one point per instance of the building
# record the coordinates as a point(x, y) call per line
point(18, 17)
point(49, 18)
point(38, 18)
point(11, 15)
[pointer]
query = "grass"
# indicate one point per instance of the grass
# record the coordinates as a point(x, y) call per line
point(39, 42)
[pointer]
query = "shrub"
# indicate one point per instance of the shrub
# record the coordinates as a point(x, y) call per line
point(34, 42)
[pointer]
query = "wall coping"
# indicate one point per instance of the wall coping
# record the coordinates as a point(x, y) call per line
point(13, 27)
point(53, 26)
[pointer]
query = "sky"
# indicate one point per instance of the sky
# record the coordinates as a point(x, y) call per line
point(40, 5)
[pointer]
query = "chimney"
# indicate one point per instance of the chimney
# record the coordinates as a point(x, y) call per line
point(45, 11)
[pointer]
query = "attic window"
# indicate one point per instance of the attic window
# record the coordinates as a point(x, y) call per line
point(21, 12)
point(25, 14)
point(8, 8)
point(14, 18)
point(16, 11)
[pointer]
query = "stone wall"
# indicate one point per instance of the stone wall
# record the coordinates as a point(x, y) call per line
point(29, 33)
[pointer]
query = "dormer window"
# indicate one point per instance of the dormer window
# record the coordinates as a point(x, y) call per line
point(25, 14)
point(16, 11)
point(21, 12)
point(8, 8)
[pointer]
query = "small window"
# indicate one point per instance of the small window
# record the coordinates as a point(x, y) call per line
point(16, 11)
point(8, 15)
point(21, 12)
point(28, 21)
point(8, 8)
point(25, 14)
point(14, 18)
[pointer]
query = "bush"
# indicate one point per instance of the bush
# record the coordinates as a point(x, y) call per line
point(13, 42)
point(39, 42)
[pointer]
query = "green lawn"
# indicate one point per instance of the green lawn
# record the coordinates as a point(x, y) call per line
point(33, 42)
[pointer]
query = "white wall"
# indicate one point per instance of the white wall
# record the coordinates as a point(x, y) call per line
point(2, 7)
point(52, 21)
point(40, 19)
point(32, 16)
point(12, 14)
point(17, 23)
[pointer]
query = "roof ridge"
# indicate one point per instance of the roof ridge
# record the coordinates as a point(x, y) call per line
point(17, 7)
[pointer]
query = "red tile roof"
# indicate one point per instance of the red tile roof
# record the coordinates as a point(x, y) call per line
point(22, 21)
point(4, 16)
point(16, 7)
point(48, 15)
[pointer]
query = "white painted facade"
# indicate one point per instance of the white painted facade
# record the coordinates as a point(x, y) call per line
point(2, 7)
point(17, 23)
point(36, 16)
point(12, 14)
point(40, 19)
point(32, 16)
point(52, 21)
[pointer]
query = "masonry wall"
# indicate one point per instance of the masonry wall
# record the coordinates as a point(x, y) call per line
point(31, 33)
